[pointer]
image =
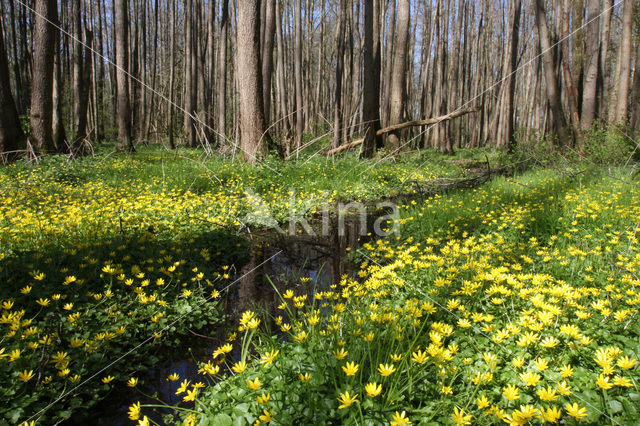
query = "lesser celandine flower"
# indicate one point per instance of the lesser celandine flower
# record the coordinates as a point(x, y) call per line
point(400, 419)
point(345, 400)
point(304, 377)
point(132, 382)
point(239, 367)
point(386, 369)
point(263, 398)
point(254, 384)
point(134, 411)
point(350, 369)
point(460, 418)
point(575, 411)
point(373, 389)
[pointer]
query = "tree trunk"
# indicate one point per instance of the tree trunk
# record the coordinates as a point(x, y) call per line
point(172, 61)
point(249, 80)
point(337, 99)
point(571, 94)
point(299, 109)
point(59, 133)
point(623, 80)
point(399, 73)
point(635, 96)
point(553, 94)
point(222, 69)
point(125, 142)
point(589, 91)
point(267, 56)
point(388, 59)
point(513, 60)
point(12, 139)
point(42, 89)
point(370, 79)
point(81, 65)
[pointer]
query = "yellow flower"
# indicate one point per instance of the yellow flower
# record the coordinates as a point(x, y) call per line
point(107, 379)
point(563, 388)
point(373, 389)
point(144, 421)
point(483, 402)
point(42, 302)
point(511, 392)
point(254, 384)
point(350, 369)
point(518, 362)
point(530, 378)
point(266, 417)
point(400, 419)
point(551, 414)
point(603, 382)
point(575, 411)
point(132, 382)
point(301, 337)
point(460, 418)
point(183, 387)
point(173, 377)
point(419, 356)
point(304, 377)
point(268, 357)
point(566, 371)
point(134, 411)
point(25, 376)
point(626, 363)
point(191, 395)
point(346, 400)
point(340, 354)
point(239, 367)
point(263, 399)
point(386, 369)
point(548, 394)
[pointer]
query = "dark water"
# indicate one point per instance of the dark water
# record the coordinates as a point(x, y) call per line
point(283, 261)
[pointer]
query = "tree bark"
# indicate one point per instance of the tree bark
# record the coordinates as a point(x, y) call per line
point(513, 60)
point(337, 98)
point(42, 89)
point(553, 94)
point(267, 56)
point(249, 80)
point(172, 61)
point(589, 92)
point(299, 108)
point(222, 69)
point(635, 95)
point(81, 66)
point(371, 79)
point(398, 76)
point(388, 58)
point(125, 142)
point(12, 139)
point(622, 83)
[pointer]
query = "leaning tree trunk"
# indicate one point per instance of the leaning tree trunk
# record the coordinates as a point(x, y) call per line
point(12, 140)
point(125, 142)
point(267, 56)
point(249, 80)
point(42, 85)
point(553, 94)
point(398, 76)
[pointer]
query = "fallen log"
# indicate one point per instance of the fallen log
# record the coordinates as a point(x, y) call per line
point(406, 124)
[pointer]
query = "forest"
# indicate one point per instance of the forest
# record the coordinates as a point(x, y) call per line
point(319, 212)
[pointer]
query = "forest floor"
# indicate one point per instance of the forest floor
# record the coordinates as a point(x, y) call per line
point(511, 301)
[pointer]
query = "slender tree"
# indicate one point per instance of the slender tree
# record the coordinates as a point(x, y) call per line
point(371, 79)
point(399, 74)
point(125, 142)
point(12, 139)
point(620, 102)
point(42, 85)
point(249, 80)
point(81, 68)
point(551, 80)
point(590, 87)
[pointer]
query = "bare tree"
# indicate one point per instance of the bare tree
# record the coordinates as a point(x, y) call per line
point(125, 142)
point(297, 61)
point(337, 97)
point(12, 139)
point(267, 55)
point(619, 106)
point(42, 89)
point(551, 80)
point(371, 78)
point(81, 68)
point(249, 80)
point(398, 76)
point(222, 69)
point(590, 87)
point(513, 60)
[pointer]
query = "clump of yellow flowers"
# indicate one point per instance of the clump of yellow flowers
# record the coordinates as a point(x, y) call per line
point(520, 307)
